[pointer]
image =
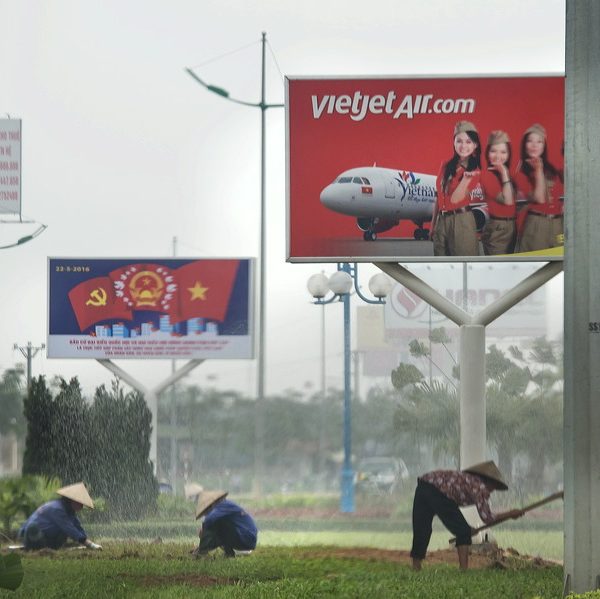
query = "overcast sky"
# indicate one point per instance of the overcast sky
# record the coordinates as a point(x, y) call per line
point(122, 151)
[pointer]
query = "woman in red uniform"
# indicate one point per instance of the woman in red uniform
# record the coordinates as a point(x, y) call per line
point(453, 230)
point(500, 234)
point(541, 183)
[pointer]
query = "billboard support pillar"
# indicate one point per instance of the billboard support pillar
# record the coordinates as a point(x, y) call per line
point(472, 395)
point(472, 346)
point(151, 396)
point(582, 293)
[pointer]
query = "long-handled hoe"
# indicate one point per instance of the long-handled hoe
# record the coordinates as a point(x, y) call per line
point(527, 508)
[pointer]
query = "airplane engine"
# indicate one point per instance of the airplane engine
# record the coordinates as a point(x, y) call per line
point(481, 217)
point(372, 226)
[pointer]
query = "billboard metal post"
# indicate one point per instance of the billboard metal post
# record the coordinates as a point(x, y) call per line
point(472, 395)
point(582, 300)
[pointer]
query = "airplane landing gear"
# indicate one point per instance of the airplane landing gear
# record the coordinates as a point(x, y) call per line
point(369, 236)
point(421, 234)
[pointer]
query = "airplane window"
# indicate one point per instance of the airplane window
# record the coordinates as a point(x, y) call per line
point(365, 181)
point(345, 180)
point(357, 180)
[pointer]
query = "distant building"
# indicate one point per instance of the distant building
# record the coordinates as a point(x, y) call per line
point(164, 324)
point(147, 328)
point(120, 330)
point(196, 325)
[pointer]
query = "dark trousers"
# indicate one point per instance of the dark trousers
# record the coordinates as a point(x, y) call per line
point(430, 502)
point(221, 533)
point(33, 538)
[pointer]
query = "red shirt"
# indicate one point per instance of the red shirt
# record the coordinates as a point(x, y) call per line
point(474, 191)
point(493, 188)
point(554, 189)
point(463, 488)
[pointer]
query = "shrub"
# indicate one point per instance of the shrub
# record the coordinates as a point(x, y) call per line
point(20, 496)
point(106, 445)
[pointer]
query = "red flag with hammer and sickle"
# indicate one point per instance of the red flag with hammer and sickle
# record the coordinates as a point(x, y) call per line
point(94, 300)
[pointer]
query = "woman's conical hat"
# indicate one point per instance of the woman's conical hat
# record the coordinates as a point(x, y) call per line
point(489, 470)
point(192, 489)
point(77, 492)
point(207, 500)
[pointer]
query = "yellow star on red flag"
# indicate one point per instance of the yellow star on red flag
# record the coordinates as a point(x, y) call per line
point(197, 291)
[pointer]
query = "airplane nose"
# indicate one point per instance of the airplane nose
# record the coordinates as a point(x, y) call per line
point(330, 197)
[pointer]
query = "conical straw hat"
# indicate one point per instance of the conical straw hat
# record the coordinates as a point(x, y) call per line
point(207, 500)
point(489, 470)
point(77, 492)
point(192, 489)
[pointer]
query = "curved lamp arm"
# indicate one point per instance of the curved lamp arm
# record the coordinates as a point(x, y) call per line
point(225, 94)
point(25, 239)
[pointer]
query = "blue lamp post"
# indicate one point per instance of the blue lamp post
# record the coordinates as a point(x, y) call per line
point(340, 284)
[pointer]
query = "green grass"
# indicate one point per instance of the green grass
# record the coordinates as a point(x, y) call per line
point(546, 542)
point(166, 570)
point(295, 559)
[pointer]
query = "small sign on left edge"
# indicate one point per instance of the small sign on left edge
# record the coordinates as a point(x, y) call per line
point(10, 166)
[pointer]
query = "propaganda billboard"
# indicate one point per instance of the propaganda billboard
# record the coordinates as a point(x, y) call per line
point(10, 166)
point(425, 169)
point(150, 308)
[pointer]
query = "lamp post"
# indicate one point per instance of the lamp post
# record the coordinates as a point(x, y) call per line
point(340, 283)
point(259, 417)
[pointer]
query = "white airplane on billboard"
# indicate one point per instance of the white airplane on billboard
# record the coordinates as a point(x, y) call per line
point(380, 198)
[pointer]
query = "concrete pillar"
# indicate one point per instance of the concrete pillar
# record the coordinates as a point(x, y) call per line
point(472, 395)
point(582, 298)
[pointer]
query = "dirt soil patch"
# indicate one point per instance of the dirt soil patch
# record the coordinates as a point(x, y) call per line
point(195, 580)
point(482, 557)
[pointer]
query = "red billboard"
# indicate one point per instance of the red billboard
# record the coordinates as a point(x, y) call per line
point(425, 169)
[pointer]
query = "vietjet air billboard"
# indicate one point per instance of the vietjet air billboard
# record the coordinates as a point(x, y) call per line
point(150, 308)
point(425, 169)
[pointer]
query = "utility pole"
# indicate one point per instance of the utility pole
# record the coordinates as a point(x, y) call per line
point(29, 352)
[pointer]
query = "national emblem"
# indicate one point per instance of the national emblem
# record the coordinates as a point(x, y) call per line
point(146, 288)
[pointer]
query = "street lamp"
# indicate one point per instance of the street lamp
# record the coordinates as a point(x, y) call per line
point(340, 283)
point(259, 419)
point(25, 239)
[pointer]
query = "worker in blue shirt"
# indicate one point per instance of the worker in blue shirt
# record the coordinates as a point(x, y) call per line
point(225, 525)
point(55, 521)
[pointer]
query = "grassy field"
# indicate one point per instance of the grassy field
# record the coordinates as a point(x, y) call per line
point(296, 558)
point(131, 570)
point(546, 541)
